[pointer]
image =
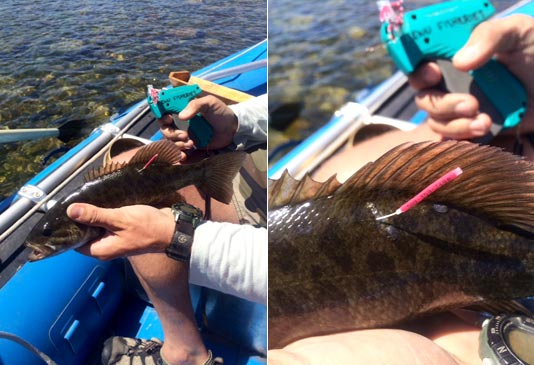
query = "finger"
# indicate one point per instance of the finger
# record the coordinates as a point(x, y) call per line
point(185, 145)
point(489, 38)
point(195, 106)
point(94, 216)
point(205, 105)
point(443, 106)
point(166, 120)
point(102, 249)
point(190, 110)
point(425, 76)
point(462, 128)
point(174, 134)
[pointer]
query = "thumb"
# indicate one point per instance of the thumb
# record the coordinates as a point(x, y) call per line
point(92, 215)
point(488, 39)
point(192, 108)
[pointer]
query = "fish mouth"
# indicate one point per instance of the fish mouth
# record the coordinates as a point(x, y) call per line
point(42, 249)
point(39, 252)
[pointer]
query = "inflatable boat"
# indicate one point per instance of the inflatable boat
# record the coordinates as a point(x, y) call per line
point(60, 310)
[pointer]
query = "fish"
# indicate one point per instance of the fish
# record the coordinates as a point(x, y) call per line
point(334, 267)
point(151, 177)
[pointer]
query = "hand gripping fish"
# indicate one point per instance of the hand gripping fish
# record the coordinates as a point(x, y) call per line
point(143, 180)
point(333, 267)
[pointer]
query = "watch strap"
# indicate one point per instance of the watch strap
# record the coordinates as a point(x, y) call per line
point(187, 218)
point(182, 241)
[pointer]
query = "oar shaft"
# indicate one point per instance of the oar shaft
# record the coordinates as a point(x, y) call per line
point(16, 135)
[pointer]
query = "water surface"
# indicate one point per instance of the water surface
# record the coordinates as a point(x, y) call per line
point(62, 60)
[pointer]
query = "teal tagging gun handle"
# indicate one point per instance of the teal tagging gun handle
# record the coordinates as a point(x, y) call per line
point(173, 101)
point(436, 33)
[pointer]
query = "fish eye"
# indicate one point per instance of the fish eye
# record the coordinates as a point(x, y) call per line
point(47, 231)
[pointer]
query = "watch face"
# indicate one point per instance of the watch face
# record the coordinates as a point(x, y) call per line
point(187, 213)
point(188, 209)
point(520, 339)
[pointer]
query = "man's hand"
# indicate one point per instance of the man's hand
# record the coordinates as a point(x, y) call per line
point(131, 230)
point(170, 132)
point(511, 41)
point(216, 112)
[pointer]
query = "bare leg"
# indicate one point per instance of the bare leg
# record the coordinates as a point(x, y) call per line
point(220, 212)
point(348, 161)
point(166, 283)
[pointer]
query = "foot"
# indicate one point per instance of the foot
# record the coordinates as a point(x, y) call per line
point(134, 351)
point(124, 350)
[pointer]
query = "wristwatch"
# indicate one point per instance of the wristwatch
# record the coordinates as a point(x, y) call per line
point(507, 339)
point(187, 218)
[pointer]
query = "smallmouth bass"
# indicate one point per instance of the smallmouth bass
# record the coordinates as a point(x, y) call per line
point(333, 267)
point(145, 179)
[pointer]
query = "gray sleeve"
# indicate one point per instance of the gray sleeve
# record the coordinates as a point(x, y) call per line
point(252, 118)
point(231, 258)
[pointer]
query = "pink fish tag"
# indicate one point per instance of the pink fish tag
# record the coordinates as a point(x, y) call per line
point(152, 159)
point(423, 194)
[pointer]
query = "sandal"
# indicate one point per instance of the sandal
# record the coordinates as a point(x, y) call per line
point(134, 351)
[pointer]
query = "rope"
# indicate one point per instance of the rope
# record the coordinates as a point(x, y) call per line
point(28, 346)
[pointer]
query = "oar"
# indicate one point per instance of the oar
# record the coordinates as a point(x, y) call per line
point(64, 132)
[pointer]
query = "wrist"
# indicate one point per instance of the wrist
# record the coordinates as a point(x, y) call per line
point(231, 130)
point(166, 230)
point(187, 218)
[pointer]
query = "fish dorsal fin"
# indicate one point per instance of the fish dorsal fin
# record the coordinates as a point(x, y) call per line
point(166, 150)
point(288, 190)
point(494, 184)
point(103, 170)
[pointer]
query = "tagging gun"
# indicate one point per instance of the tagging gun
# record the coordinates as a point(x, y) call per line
point(436, 33)
point(175, 100)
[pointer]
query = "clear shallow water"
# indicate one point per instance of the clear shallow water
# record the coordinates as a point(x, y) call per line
point(321, 52)
point(85, 59)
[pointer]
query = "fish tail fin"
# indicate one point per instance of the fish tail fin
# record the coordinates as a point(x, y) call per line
point(219, 173)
